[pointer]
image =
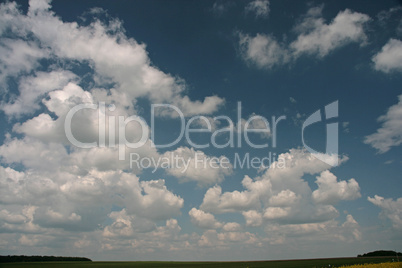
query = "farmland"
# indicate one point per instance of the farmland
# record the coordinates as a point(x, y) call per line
point(333, 262)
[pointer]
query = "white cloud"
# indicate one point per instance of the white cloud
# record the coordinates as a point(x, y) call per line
point(236, 237)
point(113, 56)
point(390, 209)
point(66, 200)
point(281, 194)
point(284, 198)
point(259, 7)
point(32, 88)
point(33, 154)
point(17, 57)
point(263, 51)
point(253, 218)
point(187, 164)
point(317, 38)
point(390, 57)
point(330, 191)
point(204, 220)
point(217, 202)
point(8, 217)
point(351, 225)
point(220, 240)
point(349, 231)
point(231, 227)
point(54, 195)
point(125, 225)
point(156, 203)
point(273, 213)
point(390, 133)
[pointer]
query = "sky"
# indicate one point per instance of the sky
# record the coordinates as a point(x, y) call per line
point(200, 130)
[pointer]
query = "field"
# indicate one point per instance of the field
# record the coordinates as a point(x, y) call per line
point(311, 263)
point(378, 265)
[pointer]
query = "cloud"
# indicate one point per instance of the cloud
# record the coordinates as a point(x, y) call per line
point(330, 191)
point(390, 57)
point(55, 195)
point(104, 46)
point(68, 201)
point(297, 234)
point(217, 202)
point(263, 51)
point(284, 198)
point(281, 194)
point(253, 218)
point(314, 37)
point(220, 240)
point(259, 7)
point(385, 17)
point(390, 133)
point(391, 209)
point(33, 88)
point(125, 225)
point(231, 227)
point(204, 220)
point(219, 8)
point(187, 164)
point(35, 154)
point(17, 57)
point(319, 39)
point(123, 236)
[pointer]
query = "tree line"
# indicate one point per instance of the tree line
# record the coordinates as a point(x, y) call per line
point(382, 253)
point(23, 258)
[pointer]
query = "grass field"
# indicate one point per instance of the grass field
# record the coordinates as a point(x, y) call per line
point(377, 265)
point(337, 262)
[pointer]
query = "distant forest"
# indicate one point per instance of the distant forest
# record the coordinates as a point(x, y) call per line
point(23, 258)
point(382, 253)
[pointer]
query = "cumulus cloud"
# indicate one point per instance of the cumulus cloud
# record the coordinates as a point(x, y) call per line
point(315, 37)
point(213, 238)
point(390, 57)
point(188, 164)
point(284, 198)
point(32, 88)
point(252, 217)
point(331, 230)
point(391, 210)
point(390, 133)
point(259, 7)
point(331, 191)
point(125, 225)
point(59, 190)
point(319, 39)
point(113, 55)
point(204, 220)
point(282, 195)
point(65, 200)
point(262, 50)
point(56, 195)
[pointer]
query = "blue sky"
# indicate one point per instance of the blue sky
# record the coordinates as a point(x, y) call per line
point(210, 61)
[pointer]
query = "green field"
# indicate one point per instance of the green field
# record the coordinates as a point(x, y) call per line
point(274, 264)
